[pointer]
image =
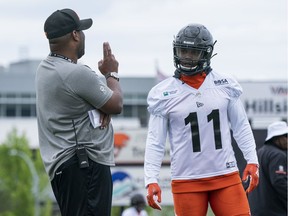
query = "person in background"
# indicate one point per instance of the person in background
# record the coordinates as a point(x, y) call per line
point(270, 197)
point(137, 206)
point(77, 152)
point(197, 107)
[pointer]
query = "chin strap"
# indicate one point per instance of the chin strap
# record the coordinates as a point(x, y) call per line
point(177, 73)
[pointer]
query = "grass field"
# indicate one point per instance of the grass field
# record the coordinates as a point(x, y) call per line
point(166, 211)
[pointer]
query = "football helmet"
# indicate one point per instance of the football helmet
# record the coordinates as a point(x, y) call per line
point(192, 48)
point(138, 201)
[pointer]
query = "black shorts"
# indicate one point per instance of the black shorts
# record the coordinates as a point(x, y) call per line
point(83, 192)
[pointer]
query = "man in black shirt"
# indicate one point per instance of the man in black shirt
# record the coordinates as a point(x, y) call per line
point(270, 197)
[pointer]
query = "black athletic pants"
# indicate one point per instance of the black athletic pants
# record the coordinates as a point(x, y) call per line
point(83, 192)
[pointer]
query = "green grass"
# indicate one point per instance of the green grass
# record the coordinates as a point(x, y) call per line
point(166, 211)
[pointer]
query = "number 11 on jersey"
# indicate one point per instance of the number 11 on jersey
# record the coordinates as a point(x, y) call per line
point(192, 119)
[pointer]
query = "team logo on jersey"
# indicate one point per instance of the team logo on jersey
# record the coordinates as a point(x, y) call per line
point(281, 170)
point(220, 82)
point(199, 104)
point(230, 164)
point(167, 93)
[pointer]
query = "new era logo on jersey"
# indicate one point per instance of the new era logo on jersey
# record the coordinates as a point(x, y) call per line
point(199, 104)
point(220, 82)
point(166, 93)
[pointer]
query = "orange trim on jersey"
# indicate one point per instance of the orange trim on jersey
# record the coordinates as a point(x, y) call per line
point(205, 184)
point(194, 81)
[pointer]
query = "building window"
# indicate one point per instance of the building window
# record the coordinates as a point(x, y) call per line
point(10, 95)
point(11, 110)
point(127, 111)
point(25, 110)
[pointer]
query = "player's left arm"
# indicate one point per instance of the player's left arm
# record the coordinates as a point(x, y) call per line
point(243, 135)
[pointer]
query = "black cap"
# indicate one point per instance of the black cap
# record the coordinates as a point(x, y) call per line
point(64, 21)
point(137, 199)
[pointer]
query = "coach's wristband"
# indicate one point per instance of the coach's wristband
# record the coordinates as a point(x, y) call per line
point(113, 75)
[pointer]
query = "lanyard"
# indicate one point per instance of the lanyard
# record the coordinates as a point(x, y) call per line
point(61, 56)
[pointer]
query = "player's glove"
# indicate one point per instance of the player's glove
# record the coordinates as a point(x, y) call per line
point(251, 174)
point(154, 195)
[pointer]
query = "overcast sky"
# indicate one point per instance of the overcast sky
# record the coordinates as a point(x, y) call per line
point(251, 34)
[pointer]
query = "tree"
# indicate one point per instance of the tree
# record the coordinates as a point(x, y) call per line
point(16, 179)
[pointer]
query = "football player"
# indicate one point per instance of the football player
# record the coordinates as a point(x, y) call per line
point(196, 108)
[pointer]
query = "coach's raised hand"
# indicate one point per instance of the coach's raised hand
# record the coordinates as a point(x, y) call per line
point(108, 63)
point(108, 66)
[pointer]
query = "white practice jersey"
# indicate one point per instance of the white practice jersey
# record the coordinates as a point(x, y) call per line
point(198, 123)
point(133, 212)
